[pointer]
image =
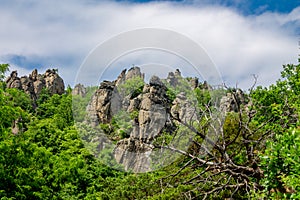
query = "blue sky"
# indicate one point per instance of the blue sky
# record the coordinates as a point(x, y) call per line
point(241, 37)
point(246, 7)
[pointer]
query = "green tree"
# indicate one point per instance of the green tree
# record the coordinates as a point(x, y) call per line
point(3, 69)
point(278, 109)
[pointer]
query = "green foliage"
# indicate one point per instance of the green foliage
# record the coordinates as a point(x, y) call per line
point(122, 125)
point(291, 73)
point(277, 108)
point(183, 86)
point(58, 107)
point(11, 108)
point(132, 87)
point(80, 103)
point(48, 163)
point(43, 96)
point(20, 99)
point(281, 164)
point(203, 97)
point(171, 94)
point(3, 68)
point(279, 104)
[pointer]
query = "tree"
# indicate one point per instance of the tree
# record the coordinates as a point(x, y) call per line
point(3, 69)
point(280, 160)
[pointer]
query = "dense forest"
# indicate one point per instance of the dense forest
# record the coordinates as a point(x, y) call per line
point(256, 157)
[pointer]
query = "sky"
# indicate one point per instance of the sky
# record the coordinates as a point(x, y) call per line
point(241, 37)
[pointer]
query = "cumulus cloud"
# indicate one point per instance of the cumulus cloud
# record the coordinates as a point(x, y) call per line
point(62, 33)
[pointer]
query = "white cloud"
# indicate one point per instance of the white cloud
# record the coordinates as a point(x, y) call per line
point(238, 45)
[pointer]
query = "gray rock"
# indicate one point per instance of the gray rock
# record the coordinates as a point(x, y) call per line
point(134, 72)
point(34, 84)
point(155, 81)
point(13, 81)
point(194, 83)
point(79, 90)
point(121, 78)
point(155, 114)
point(183, 109)
point(177, 73)
point(54, 83)
point(134, 155)
point(230, 104)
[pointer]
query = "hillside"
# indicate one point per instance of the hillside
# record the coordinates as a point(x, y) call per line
point(171, 138)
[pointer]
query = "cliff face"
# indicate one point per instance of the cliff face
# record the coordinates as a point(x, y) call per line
point(34, 83)
point(137, 114)
point(153, 113)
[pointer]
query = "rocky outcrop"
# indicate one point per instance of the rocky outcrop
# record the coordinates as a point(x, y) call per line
point(134, 152)
point(34, 83)
point(232, 101)
point(104, 104)
point(173, 77)
point(154, 114)
point(13, 81)
point(134, 155)
point(53, 82)
point(194, 82)
point(79, 90)
point(183, 109)
point(132, 73)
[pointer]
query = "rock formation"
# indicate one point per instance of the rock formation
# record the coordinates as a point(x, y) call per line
point(154, 111)
point(182, 109)
point(34, 83)
point(173, 77)
point(104, 104)
point(133, 152)
point(150, 113)
point(80, 90)
point(232, 101)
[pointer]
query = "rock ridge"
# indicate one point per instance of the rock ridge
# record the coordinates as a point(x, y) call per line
point(35, 82)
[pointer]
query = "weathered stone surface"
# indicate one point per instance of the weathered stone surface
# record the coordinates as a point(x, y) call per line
point(134, 152)
point(153, 113)
point(134, 72)
point(194, 83)
point(134, 104)
point(134, 155)
point(121, 78)
point(104, 104)
point(183, 110)
point(152, 116)
point(34, 84)
point(38, 85)
point(54, 82)
point(173, 78)
point(28, 87)
point(13, 81)
point(177, 73)
point(231, 103)
point(155, 81)
point(80, 90)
